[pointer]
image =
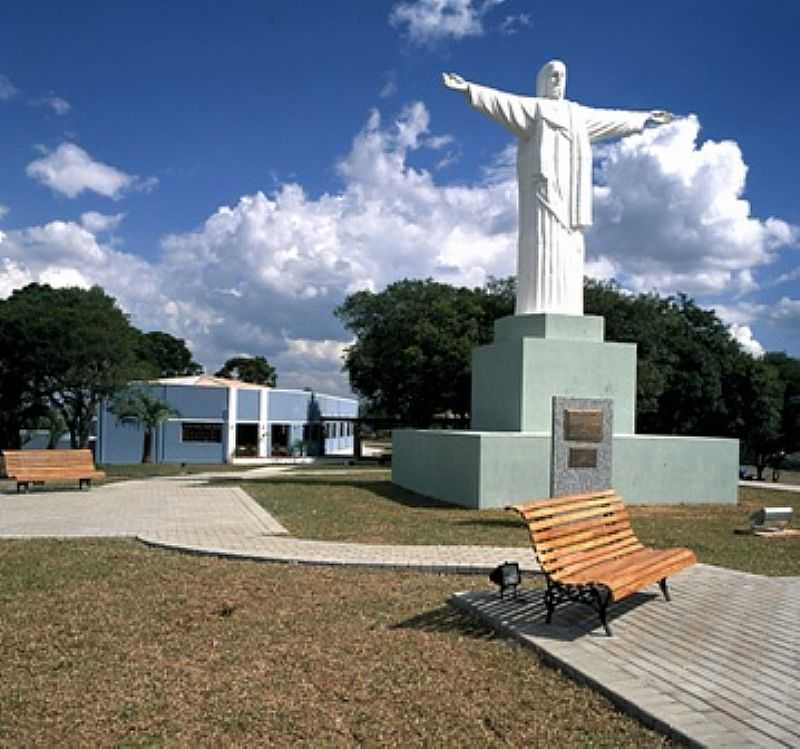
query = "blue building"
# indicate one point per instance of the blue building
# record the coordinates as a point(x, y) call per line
point(221, 420)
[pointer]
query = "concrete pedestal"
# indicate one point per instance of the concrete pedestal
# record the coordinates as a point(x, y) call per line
point(506, 457)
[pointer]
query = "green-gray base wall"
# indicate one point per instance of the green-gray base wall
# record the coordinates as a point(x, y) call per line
point(494, 469)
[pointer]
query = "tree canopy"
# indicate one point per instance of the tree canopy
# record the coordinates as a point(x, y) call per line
point(68, 348)
point(413, 346)
point(62, 351)
point(167, 355)
point(254, 369)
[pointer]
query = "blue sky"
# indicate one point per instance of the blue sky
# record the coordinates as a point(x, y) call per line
point(230, 172)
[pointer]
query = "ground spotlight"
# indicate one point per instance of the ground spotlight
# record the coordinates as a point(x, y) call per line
point(507, 576)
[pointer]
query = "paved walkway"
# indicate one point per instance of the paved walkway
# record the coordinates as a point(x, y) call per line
point(770, 485)
point(718, 666)
point(187, 514)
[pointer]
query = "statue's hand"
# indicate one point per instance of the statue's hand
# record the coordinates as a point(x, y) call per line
point(454, 81)
point(660, 117)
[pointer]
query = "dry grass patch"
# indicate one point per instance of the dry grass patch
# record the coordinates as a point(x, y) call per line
point(368, 508)
point(106, 643)
point(365, 507)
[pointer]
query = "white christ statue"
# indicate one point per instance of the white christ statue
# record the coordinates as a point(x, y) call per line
point(554, 173)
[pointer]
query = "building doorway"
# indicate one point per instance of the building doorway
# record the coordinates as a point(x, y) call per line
point(246, 441)
point(280, 440)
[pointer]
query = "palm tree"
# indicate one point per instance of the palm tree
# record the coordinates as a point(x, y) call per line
point(138, 406)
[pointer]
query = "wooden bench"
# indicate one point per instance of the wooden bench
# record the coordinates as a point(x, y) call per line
point(37, 466)
point(589, 553)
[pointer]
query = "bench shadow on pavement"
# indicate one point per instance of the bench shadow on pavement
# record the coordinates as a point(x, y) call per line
point(477, 613)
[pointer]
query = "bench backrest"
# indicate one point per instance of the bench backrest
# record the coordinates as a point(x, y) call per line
point(571, 533)
point(16, 462)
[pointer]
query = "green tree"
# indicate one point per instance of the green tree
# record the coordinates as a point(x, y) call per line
point(759, 391)
point(788, 370)
point(688, 364)
point(411, 358)
point(167, 355)
point(69, 348)
point(22, 391)
point(254, 369)
point(136, 405)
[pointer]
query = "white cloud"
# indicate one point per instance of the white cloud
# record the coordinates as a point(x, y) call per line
point(70, 171)
point(7, 88)
point(513, 23)
point(263, 275)
point(4, 209)
point(428, 21)
point(793, 275)
point(97, 223)
point(744, 337)
point(12, 275)
point(670, 215)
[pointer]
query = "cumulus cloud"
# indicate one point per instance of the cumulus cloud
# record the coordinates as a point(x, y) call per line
point(263, 274)
point(428, 21)
point(7, 88)
point(744, 337)
point(70, 171)
point(669, 214)
point(4, 209)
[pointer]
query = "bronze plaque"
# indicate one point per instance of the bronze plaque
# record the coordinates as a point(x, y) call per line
point(582, 457)
point(583, 425)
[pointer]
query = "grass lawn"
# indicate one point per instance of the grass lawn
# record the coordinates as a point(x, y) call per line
point(108, 643)
point(367, 507)
point(152, 470)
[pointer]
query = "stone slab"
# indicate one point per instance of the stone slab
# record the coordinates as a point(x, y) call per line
point(494, 469)
point(582, 455)
point(545, 325)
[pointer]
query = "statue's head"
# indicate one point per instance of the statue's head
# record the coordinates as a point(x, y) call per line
point(551, 81)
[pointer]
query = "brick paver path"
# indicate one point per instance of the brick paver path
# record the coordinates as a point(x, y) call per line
point(187, 514)
point(719, 665)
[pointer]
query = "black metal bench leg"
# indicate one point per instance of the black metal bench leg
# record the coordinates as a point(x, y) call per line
point(662, 583)
point(549, 602)
point(602, 606)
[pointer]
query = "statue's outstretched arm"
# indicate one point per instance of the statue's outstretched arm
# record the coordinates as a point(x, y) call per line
point(454, 82)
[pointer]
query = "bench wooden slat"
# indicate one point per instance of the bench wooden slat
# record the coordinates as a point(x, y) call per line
point(563, 555)
point(556, 512)
point(558, 501)
point(557, 533)
point(591, 512)
point(585, 541)
point(589, 559)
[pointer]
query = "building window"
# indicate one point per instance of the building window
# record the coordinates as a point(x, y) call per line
point(200, 432)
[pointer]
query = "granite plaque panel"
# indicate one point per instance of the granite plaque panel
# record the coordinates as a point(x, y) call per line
point(582, 441)
point(582, 457)
point(583, 425)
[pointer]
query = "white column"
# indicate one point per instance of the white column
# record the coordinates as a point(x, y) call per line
point(230, 444)
point(263, 440)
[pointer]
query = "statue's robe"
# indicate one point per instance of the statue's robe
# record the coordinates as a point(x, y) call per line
point(554, 173)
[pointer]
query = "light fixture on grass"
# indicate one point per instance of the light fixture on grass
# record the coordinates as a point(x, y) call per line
point(507, 576)
point(771, 519)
